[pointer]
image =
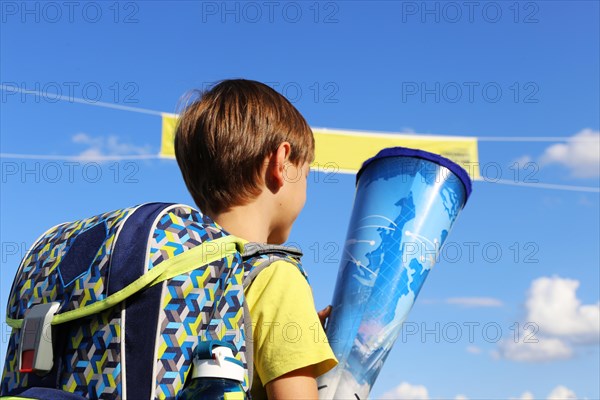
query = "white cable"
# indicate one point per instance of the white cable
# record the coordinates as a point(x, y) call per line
point(70, 99)
point(535, 139)
point(541, 185)
point(433, 137)
point(81, 158)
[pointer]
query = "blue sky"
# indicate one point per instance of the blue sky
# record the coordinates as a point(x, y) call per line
point(534, 71)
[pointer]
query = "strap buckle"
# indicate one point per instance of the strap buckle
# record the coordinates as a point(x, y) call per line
point(35, 346)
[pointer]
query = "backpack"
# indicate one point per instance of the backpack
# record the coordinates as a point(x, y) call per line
point(112, 306)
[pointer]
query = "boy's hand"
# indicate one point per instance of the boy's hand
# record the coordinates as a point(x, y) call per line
point(324, 315)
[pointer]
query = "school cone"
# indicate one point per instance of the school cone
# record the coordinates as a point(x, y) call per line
point(405, 204)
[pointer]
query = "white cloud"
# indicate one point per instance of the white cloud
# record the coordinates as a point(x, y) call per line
point(461, 397)
point(561, 393)
point(406, 391)
point(553, 305)
point(522, 161)
point(546, 349)
point(558, 393)
point(585, 201)
point(526, 396)
point(101, 147)
point(581, 154)
point(475, 301)
point(556, 319)
point(473, 349)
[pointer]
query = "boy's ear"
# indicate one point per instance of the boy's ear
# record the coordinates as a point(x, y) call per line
point(276, 167)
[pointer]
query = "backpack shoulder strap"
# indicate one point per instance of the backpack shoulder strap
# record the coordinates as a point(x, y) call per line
point(259, 256)
point(253, 249)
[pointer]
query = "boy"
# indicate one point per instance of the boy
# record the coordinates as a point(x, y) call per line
point(244, 153)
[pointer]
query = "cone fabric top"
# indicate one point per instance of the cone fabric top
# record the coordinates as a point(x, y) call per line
point(345, 150)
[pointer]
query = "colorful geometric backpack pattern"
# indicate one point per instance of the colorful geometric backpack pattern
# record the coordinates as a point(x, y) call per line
point(125, 296)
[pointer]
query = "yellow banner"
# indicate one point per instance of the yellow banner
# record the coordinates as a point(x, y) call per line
point(345, 151)
point(169, 123)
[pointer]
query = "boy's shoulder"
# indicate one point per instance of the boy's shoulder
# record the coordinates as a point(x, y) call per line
point(285, 267)
point(281, 277)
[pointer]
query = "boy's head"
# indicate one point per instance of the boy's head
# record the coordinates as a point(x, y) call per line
point(227, 136)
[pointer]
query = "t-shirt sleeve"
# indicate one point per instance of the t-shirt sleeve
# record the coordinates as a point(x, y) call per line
point(287, 333)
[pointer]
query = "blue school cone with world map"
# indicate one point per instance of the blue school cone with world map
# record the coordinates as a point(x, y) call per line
point(406, 202)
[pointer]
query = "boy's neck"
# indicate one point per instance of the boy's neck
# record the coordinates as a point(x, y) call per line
point(247, 222)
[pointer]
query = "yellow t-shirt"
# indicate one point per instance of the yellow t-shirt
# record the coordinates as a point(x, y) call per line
point(287, 333)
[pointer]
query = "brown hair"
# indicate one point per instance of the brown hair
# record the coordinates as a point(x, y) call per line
point(224, 136)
